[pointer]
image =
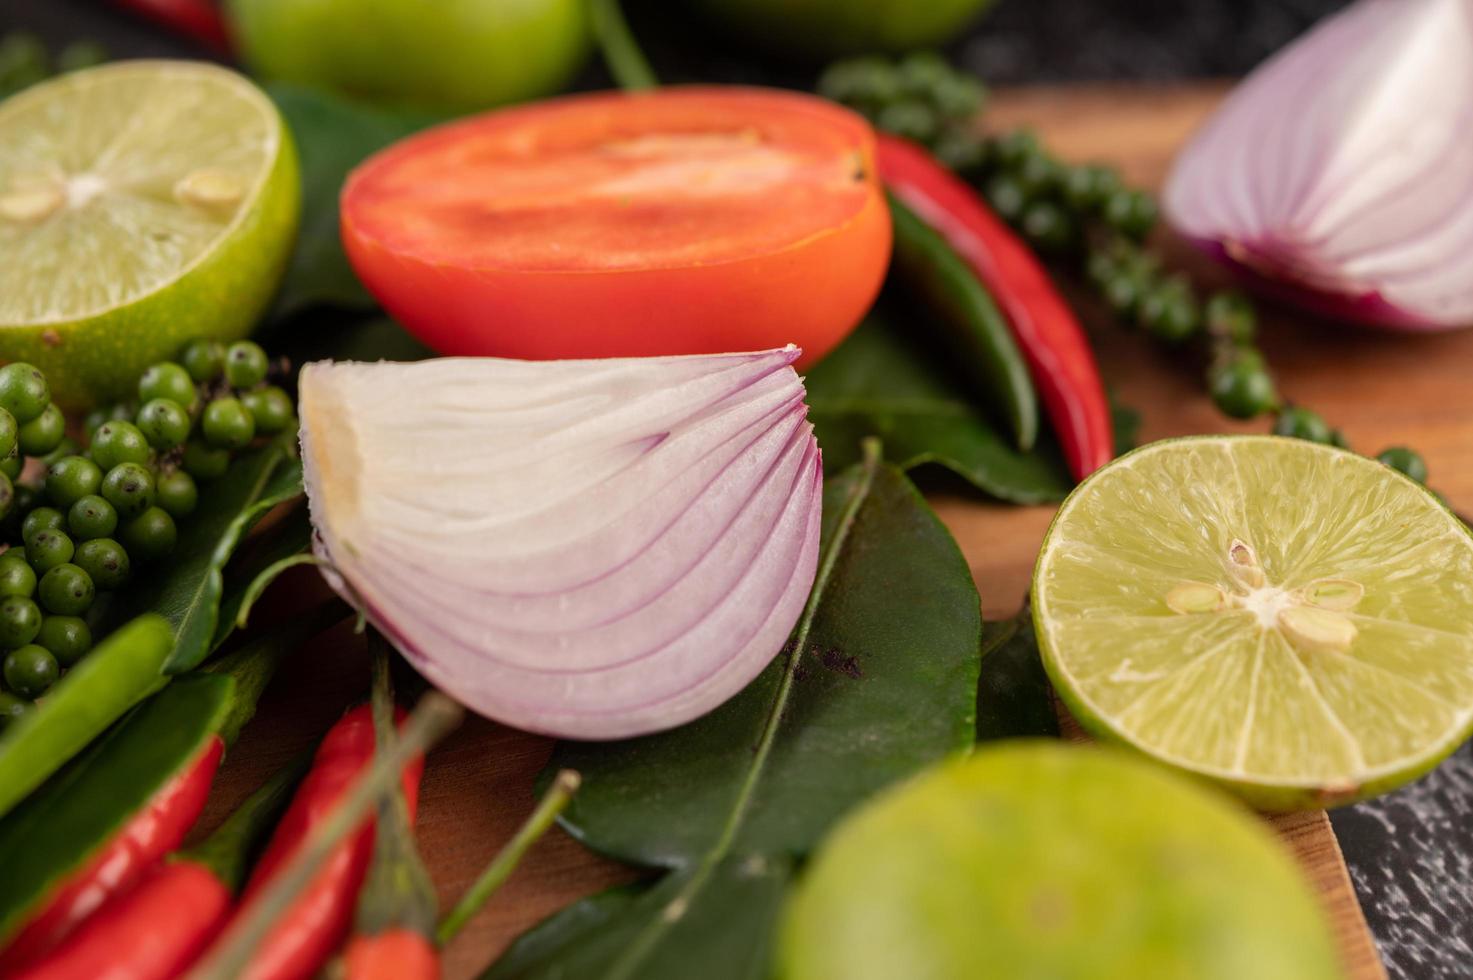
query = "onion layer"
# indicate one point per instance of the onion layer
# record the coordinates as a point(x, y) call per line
point(588, 549)
point(1340, 173)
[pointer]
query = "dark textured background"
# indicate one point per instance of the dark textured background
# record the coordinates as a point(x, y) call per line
point(1411, 853)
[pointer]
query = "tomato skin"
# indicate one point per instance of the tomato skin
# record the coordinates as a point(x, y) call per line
point(810, 292)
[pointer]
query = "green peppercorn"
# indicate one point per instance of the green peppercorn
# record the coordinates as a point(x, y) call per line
point(204, 360)
point(128, 487)
point(1048, 228)
point(1406, 461)
point(16, 575)
point(911, 119)
point(1130, 212)
point(41, 519)
point(66, 447)
point(71, 478)
point(66, 590)
point(204, 463)
point(43, 433)
point(92, 517)
point(176, 493)
point(1006, 196)
point(1242, 388)
point(962, 151)
point(245, 364)
point(20, 621)
point(959, 97)
point(119, 442)
point(1013, 148)
point(105, 561)
point(1085, 188)
point(920, 72)
point(13, 464)
point(1301, 423)
point(1169, 311)
point(1039, 175)
point(7, 495)
point(227, 424)
point(9, 434)
point(79, 55)
point(48, 548)
point(23, 391)
point(1338, 440)
point(167, 380)
point(150, 535)
point(1231, 315)
point(67, 637)
point(861, 81)
point(164, 423)
point(12, 709)
point(1123, 294)
point(30, 671)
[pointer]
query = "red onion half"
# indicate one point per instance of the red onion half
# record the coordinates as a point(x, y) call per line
point(588, 549)
point(1340, 173)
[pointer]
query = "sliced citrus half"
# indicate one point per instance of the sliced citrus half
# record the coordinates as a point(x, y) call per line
point(1037, 859)
point(142, 204)
point(1291, 620)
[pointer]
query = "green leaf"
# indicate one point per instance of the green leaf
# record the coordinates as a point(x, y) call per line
point(292, 535)
point(61, 826)
point(333, 136)
point(1014, 698)
point(123, 669)
point(187, 589)
point(877, 683)
point(884, 381)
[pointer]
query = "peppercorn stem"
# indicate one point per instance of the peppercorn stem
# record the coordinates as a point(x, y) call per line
point(553, 803)
point(432, 719)
point(626, 62)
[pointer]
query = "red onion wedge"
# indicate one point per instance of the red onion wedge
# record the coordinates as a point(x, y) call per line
point(589, 549)
point(1340, 173)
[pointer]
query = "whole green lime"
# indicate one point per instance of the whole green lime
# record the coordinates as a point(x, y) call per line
point(832, 28)
point(1040, 860)
point(445, 54)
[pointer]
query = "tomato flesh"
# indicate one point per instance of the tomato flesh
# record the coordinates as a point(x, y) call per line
point(688, 220)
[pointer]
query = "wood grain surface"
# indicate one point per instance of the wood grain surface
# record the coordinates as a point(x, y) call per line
point(1381, 389)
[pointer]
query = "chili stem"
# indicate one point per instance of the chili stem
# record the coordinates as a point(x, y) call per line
point(501, 867)
point(432, 719)
point(621, 53)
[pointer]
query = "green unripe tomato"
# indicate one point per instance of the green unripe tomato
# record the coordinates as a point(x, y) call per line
point(20, 621)
point(1405, 460)
point(105, 562)
point(204, 463)
point(119, 442)
point(164, 423)
point(16, 575)
point(30, 671)
point(91, 517)
point(466, 54)
point(71, 478)
point(43, 433)
point(176, 493)
point(271, 407)
point(818, 29)
point(128, 487)
point(150, 535)
point(227, 424)
point(166, 380)
point(66, 590)
point(204, 360)
point(23, 391)
point(67, 637)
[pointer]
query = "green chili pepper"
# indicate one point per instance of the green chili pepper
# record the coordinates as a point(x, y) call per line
point(120, 672)
point(57, 829)
point(975, 330)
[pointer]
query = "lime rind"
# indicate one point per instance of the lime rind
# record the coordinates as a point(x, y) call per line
point(1340, 661)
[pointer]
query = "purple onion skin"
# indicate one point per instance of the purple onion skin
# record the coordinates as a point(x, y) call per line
point(1362, 310)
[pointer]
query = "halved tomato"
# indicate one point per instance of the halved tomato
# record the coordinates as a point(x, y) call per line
point(681, 221)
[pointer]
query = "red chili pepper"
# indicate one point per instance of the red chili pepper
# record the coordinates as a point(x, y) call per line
point(152, 833)
point(155, 931)
point(317, 922)
point(1058, 353)
point(199, 19)
point(397, 954)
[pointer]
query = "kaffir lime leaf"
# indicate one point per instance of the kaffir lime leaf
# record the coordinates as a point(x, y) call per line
point(142, 204)
point(1037, 860)
point(1291, 620)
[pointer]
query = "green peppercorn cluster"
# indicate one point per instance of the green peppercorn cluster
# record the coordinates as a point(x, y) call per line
point(920, 96)
point(79, 520)
point(25, 60)
point(1085, 217)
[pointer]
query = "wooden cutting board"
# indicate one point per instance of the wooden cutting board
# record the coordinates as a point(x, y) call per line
point(1381, 389)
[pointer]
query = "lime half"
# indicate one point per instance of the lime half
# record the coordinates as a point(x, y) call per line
point(1045, 861)
point(142, 204)
point(1291, 620)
